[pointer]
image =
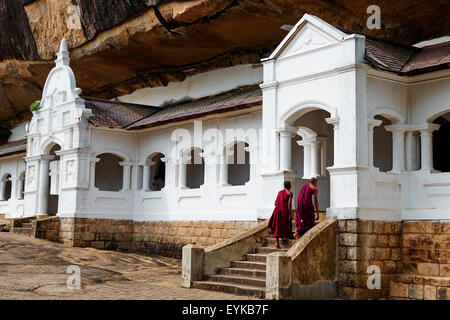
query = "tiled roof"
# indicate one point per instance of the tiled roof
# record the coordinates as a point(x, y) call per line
point(403, 59)
point(429, 58)
point(13, 147)
point(113, 114)
point(239, 98)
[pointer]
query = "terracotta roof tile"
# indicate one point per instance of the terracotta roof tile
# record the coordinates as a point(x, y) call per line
point(429, 58)
point(113, 114)
point(235, 99)
point(12, 147)
point(404, 59)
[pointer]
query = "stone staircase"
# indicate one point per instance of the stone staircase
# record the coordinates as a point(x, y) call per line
point(245, 277)
point(24, 226)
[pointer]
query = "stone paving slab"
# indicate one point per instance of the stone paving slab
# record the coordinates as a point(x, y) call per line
point(36, 269)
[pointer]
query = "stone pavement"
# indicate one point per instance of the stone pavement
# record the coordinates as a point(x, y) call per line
point(37, 269)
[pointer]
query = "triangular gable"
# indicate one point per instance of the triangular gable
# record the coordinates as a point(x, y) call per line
point(309, 33)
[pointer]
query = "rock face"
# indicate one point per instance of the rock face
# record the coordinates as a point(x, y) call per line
point(118, 46)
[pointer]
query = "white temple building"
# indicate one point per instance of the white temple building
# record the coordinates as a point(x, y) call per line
point(369, 118)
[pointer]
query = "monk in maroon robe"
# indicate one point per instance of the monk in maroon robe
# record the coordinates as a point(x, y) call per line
point(280, 223)
point(304, 219)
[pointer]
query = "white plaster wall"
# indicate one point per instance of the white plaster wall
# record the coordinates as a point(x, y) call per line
point(384, 96)
point(15, 166)
point(198, 85)
point(429, 98)
point(18, 132)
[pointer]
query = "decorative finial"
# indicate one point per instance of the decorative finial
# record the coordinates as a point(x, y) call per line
point(63, 54)
point(63, 46)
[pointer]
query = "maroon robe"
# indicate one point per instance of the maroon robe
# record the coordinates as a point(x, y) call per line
point(280, 224)
point(304, 219)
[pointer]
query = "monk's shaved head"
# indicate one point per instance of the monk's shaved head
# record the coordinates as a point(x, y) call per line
point(287, 185)
point(313, 181)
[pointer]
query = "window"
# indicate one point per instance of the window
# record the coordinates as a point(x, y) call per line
point(441, 143)
point(238, 162)
point(195, 169)
point(157, 172)
point(109, 172)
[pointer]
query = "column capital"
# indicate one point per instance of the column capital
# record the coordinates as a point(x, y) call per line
point(429, 127)
point(397, 128)
point(46, 157)
point(334, 121)
point(373, 123)
point(287, 130)
point(127, 163)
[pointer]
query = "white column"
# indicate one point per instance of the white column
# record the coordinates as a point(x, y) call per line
point(371, 124)
point(126, 176)
point(323, 158)
point(409, 150)
point(182, 167)
point(20, 183)
point(398, 151)
point(398, 146)
point(43, 185)
point(315, 159)
point(3, 189)
point(426, 146)
point(146, 177)
point(306, 159)
point(286, 150)
point(223, 172)
point(335, 123)
point(92, 172)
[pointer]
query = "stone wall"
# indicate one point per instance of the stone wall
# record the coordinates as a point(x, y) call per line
point(366, 243)
point(426, 248)
point(410, 287)
point(3, 220)
point(168, 238)
point(47, 228)
point(163, 238)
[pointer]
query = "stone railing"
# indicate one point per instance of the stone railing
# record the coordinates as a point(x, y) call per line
point(198, 261)
point(309, 269)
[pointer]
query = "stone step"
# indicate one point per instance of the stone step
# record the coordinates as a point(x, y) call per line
point(239, 280)
point(255, 257)
point(267, 250)
point(286, 244)
point(27, 225)
point(239, 290)
point(23, 231)
point(249, 265)
point(243, 272)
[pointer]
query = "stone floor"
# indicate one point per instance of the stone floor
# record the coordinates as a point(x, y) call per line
point(36, 269)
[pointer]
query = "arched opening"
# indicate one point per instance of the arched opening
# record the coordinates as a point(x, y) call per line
point(53, 181)
point(238, 163)
point(157, 172)
point(195, 168)
point(312, 151)
point(441, 143)
point(382, 145)
point(6, 187)
point(109, 172)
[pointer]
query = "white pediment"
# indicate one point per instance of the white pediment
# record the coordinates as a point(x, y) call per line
point(310, 33)
point(307, 39)
point(60, 86)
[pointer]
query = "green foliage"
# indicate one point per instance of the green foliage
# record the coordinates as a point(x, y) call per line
point(35, 106)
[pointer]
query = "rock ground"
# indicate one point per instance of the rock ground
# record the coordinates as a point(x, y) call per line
point(36, 269)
